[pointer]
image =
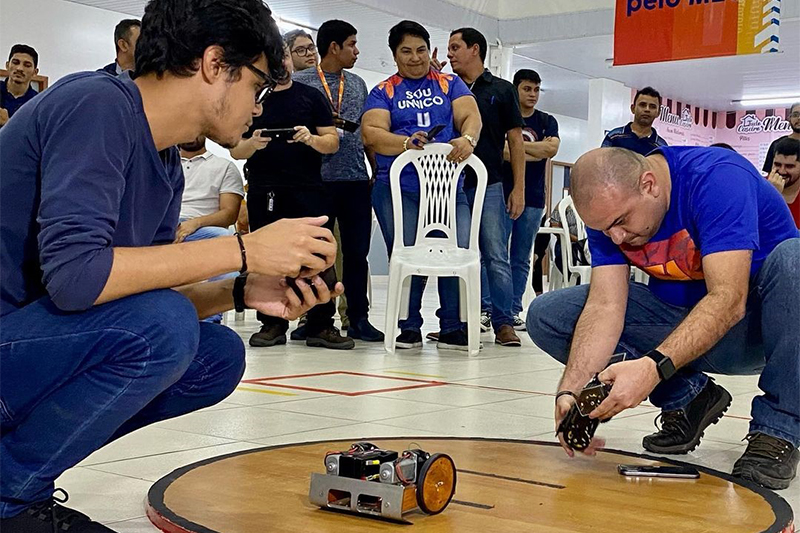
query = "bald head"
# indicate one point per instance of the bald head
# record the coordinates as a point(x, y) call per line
point(603, 169)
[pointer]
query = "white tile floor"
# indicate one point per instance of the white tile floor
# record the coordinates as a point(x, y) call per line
point(112, 483)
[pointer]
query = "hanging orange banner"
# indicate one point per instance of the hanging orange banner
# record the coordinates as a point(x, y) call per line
point(649, 31)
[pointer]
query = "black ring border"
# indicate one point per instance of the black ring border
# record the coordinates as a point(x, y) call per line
point(155, 496)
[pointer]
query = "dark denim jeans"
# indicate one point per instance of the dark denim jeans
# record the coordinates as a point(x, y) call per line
point(448, 313)
point(72, 382)
point(765, 341)
point(493, 242)
point(523, 232)
point(210, 232)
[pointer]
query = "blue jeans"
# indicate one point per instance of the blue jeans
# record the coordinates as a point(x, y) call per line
point(765, 341)
point(210, 232)
point(493, 242)
point(523, 232)
point(449, 312)
point(72, 382)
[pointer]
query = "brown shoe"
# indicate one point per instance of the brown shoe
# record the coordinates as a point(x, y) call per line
point(505, 336)
point(330, 338)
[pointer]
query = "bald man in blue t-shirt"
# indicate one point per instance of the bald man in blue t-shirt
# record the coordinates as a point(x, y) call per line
point(722, 298)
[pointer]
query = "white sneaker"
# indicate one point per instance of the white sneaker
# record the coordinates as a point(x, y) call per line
point(486, 321)
point(519, 324)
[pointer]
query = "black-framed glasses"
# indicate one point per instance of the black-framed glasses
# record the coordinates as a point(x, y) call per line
point(794, 115)
point(303, 51)
point(269, 84)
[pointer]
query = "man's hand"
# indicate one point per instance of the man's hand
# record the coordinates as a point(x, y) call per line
point(272, 296)
point(291, 247)
point(186, 228)
point(3, 116)
point(632, 382)
point(516, 203)
point(563, 405)
point(257, 142)
point(462, 149)
point(435, 63)
point(777, 181)
point(243, 220)
point(304, 136)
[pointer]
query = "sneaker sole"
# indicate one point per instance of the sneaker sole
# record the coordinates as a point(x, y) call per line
point(459, 347)
point(712, 417)
point(432, 337)
point(769, 482)
point(485, 329)
point(321, 343)
point(257, 343)
point(521, 328)
point(356, 336)
point(508, 343)
point(408, 345)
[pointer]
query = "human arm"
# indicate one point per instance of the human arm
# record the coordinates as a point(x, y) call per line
point(228, 213)
point(467, 120)
point(3, 116)
point(516, 200)
point(727, 276)
point(375, 132)
point(326, 141)
point(247, 147)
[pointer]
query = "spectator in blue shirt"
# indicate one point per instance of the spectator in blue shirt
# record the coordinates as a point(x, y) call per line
point(126, 33)
point(22, 66)
point(639, 136)
point(94, 341)
point(722, 298)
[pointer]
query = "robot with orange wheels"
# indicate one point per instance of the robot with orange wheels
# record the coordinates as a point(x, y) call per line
point(370, 481)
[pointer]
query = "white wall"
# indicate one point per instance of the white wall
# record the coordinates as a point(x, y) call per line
point(69, 37)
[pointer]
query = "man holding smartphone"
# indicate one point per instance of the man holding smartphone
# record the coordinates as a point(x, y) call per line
point(99, 330)
point(283, 174)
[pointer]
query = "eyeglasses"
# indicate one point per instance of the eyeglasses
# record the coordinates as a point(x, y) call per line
point(794, 115)
point(303, 51)
point(269, 84)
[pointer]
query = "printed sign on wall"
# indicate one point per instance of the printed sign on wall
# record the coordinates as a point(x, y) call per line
point(649, 31)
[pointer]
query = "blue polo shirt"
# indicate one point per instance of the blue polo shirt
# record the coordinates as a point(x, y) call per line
point(719, 202)
point(12, 104)
point(624, 137)
point(81, 175)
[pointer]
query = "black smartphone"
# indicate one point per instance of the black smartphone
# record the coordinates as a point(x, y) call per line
point(685, 472)
point(434, 131)
point(279, 134)
point(328, 276)
point(347, 125)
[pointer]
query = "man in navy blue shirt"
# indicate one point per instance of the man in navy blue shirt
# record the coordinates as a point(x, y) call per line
point(22, 66)
point(94, 341)
point(722, 298)
point(639, 135)
point(126, 33)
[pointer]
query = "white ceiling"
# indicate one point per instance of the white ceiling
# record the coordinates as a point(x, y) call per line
point(567, 42)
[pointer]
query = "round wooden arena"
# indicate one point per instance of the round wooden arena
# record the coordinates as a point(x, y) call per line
point(502, 486)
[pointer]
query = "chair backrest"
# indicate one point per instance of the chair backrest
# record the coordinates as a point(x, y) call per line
point(438, 184)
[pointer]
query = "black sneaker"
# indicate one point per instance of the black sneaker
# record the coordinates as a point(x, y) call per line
point(268, 335)
point(455, 340)
point(682, 429)
point(50, 516)
point(330, 338)
point(365, 331)
point(408, 339)
point(768, 461)
point(299, 333)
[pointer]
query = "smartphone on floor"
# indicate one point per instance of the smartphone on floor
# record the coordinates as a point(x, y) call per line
point(685, 472)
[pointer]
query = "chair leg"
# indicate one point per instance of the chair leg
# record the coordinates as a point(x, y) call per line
point(393, 301)
point(472, 285)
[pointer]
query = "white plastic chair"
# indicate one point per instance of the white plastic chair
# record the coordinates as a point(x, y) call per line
point(555, 280)
point(435, 256)
point(572, 271)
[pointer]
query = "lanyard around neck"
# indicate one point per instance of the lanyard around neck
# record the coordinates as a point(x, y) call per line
point(336, 108)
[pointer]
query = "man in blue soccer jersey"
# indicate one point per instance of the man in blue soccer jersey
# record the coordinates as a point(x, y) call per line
point(722, 298)
point(639, 136)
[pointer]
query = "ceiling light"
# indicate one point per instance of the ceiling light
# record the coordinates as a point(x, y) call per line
point(766, 100)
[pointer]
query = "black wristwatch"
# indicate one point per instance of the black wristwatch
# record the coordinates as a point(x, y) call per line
point(664, 365)
point(238, 293)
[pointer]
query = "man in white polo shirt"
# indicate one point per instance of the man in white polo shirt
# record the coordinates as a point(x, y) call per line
point(211, 197)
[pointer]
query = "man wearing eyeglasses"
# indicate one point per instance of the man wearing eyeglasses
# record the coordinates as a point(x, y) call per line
point(99, 330)
point(301, 46)
point(794, 122)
